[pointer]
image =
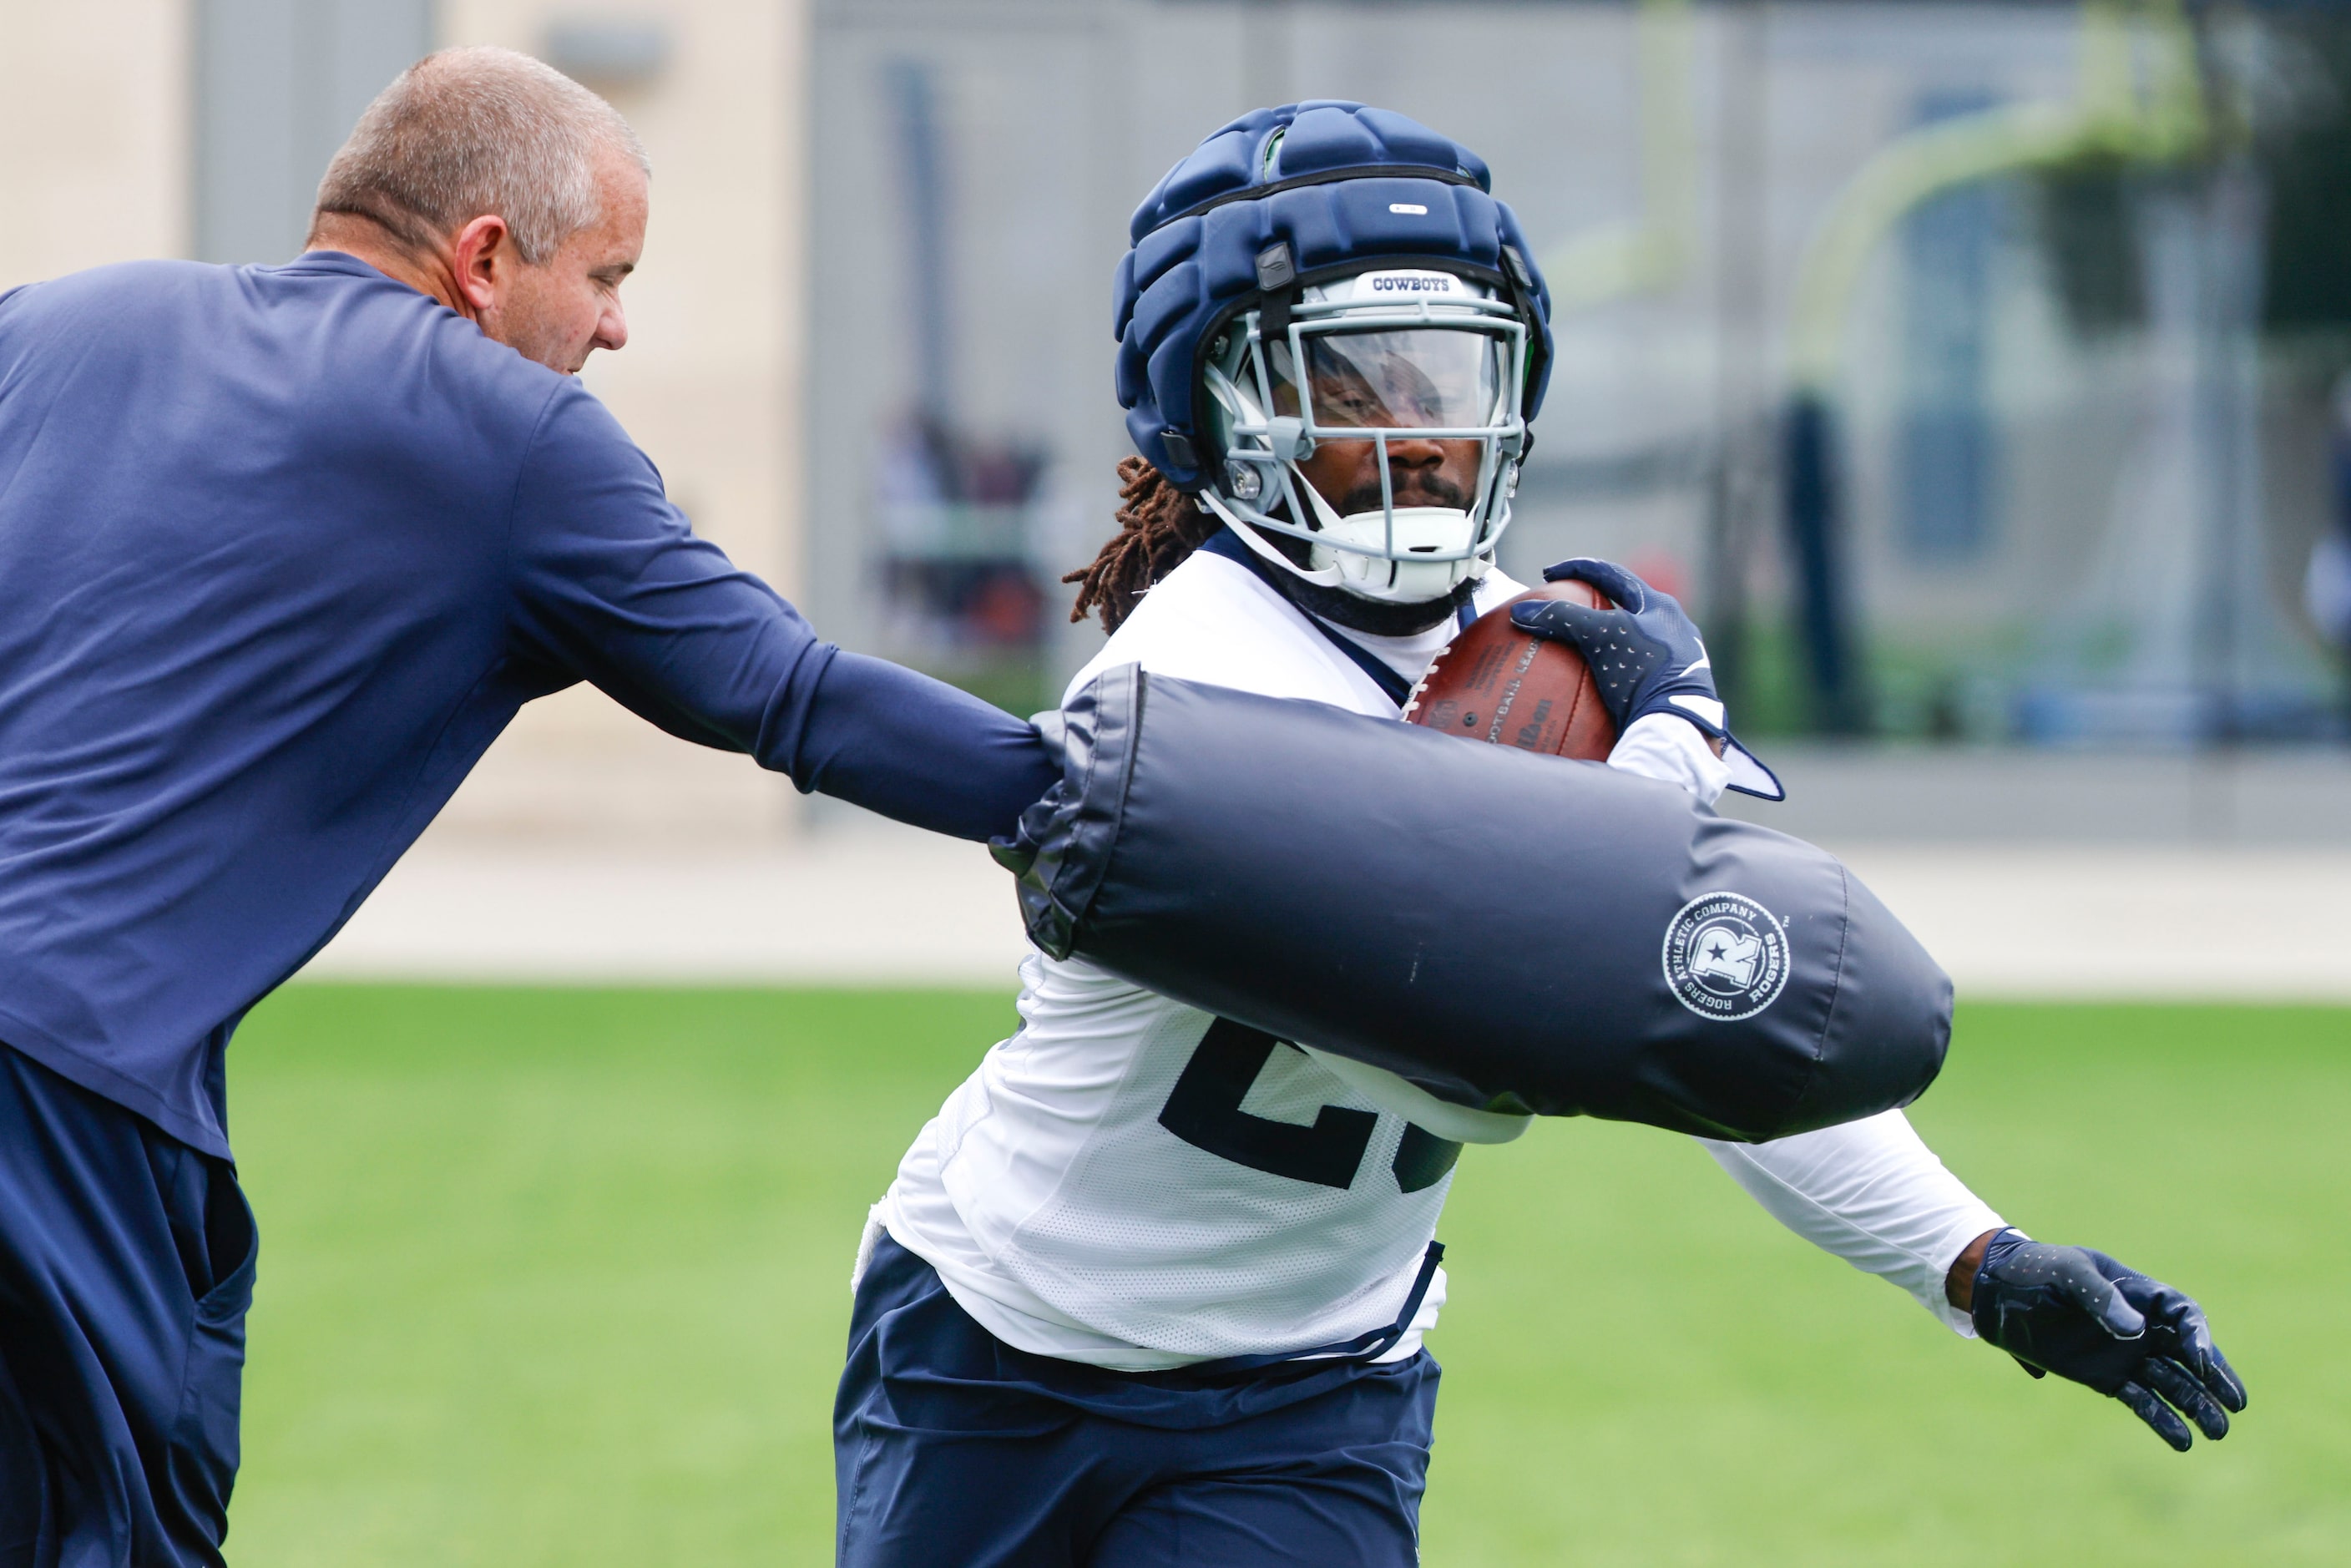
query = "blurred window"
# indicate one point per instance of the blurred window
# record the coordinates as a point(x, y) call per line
point(1948, 450)
point(278, 86)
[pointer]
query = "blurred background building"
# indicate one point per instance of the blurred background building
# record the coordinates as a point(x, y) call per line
point(1969, 365)
point(1978, 371)
point(200, 128)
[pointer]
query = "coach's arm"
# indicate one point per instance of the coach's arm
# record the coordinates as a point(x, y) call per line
point(611, 586)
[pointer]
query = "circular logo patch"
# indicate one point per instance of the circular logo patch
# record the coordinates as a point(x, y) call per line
point(1726, 956)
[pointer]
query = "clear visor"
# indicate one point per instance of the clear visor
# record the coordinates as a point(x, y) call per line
point(1420, 378)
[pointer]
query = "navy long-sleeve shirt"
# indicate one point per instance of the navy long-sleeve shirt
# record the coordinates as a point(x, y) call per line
point(282, 549)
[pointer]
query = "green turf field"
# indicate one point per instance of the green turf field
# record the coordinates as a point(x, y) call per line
point(560, 1277)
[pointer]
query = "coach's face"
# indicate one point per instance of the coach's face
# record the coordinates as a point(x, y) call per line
point(566, 308)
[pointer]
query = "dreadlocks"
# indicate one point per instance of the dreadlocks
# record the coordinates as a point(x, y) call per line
point(1158, 525)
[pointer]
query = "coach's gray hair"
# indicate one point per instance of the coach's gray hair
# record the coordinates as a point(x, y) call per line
point(472, 131)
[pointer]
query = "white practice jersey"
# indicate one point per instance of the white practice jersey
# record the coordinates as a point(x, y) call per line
point(1129, 1182)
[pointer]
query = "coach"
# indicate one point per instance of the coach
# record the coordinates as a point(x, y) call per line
point(282, 549)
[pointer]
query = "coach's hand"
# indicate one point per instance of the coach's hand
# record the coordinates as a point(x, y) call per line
point(2083, 1316)
point(1646, 658)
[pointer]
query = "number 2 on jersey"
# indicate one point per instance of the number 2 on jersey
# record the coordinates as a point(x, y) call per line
point(1205, 1110)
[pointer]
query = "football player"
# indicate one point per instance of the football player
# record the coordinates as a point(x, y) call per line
point(1152, 1287)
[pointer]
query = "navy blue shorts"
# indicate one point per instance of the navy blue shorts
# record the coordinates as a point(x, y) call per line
point(950, 1446)
point(126, 1265)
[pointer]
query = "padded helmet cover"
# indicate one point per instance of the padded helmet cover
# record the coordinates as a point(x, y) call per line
point(1344, 186)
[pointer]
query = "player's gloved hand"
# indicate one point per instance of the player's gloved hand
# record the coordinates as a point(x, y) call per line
point(2082, 1316)
point(1646, 658)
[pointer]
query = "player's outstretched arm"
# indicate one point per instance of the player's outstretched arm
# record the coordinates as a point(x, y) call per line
point(1871, 1193)
point(2083, 1316)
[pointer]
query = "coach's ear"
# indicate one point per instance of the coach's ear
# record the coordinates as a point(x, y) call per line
point(483, 260)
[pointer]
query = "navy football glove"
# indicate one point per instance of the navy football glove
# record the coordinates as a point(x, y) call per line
point(2082, 1316)
point(1645, 657)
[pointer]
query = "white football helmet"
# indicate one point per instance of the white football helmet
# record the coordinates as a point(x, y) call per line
point(1393, 353)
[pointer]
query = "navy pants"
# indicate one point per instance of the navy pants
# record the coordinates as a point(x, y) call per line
point(126, 1265)
point(950, 1446)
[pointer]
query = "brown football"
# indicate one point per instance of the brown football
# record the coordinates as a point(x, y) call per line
point(1494, 683)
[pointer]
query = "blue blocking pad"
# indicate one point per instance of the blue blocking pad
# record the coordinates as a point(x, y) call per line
point(1504, 930)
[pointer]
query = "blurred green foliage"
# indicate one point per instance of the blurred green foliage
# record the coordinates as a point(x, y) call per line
point(2088, 232)
point(1641, 1368)
point(2304, 150)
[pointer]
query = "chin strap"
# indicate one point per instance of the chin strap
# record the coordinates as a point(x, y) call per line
point(1324, 512)
point(1324, 577)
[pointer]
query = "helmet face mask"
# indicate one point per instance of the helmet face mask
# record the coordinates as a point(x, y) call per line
point(1391, 355)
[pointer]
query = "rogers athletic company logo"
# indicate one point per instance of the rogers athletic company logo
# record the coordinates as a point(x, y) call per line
point(1726, 956)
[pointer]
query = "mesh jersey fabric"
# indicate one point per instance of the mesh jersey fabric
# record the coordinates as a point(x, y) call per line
point(1043, 1191)
point(1058, 1209)
point(1053, 1202)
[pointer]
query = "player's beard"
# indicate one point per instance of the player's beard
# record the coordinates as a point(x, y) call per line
point(1419, 488)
